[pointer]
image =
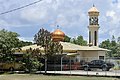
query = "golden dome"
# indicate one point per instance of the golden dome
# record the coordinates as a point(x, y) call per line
point(58, 32)
point(93, 9)
point(58, 35)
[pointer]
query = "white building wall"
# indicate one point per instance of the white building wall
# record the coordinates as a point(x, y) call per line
point(101, 53)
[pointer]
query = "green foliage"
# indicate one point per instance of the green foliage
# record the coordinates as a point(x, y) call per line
point(23, 43)
point(53, 49)
point(67, 38)
point(111, 45)
point(43, 38)
point(117, 67)
point(8, 41)
point(113, 42)
point(105, 44)
point(118, 40)
point(31, 60)
point(79, 41)
point(73, 40)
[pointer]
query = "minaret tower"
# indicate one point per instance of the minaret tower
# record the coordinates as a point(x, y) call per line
point(93, 26)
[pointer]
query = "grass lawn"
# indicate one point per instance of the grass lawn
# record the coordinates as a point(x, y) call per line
point(45, 77)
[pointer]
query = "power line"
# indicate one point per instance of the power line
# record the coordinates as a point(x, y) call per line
point(20, 7)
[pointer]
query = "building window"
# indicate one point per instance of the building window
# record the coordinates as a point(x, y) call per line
point(101, 57)
point(95, 38)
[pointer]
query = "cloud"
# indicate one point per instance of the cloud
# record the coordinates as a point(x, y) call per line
point(109, 20)
point(112, 16)
point(26, 39)
point(110, 13)
point(114, 1)
point(71, 15)
point(34, 14)
point(3, 24)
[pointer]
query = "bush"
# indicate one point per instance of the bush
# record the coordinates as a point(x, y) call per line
point(117, 67)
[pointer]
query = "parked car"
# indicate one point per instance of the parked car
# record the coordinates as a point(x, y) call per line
point(100, 64)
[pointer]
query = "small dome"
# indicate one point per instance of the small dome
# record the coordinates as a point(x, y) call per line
point(58, 35)
point(93, 9)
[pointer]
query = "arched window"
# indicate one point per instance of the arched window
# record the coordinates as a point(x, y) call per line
point(95, 38)
point(89, 36)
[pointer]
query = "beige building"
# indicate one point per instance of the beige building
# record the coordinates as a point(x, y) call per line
point(78, 52)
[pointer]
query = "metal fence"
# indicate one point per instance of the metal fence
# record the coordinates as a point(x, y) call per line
point(77, 66)
point(85, 66)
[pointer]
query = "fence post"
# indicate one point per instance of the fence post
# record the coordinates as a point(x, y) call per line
point(61, 62)
point(70, 65)
point(45, 65)
point(87, 67)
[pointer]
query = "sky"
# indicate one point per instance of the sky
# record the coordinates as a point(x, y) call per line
point(70, 15)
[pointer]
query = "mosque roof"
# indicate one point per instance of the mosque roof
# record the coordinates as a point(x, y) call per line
point(71, 46)
point(68, 47)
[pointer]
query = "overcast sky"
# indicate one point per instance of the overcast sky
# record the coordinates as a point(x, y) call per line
point(70, 15)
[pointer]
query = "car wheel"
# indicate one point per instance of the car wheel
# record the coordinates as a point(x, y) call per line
point(104, 68)
point(86, 68)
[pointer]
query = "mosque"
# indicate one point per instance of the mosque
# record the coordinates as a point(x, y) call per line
point(90, 52)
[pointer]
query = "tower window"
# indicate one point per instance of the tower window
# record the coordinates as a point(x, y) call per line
point(95, 43)
point(89, 36)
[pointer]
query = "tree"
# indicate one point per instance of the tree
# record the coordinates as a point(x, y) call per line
point(111, 45)
point(118, 47)
point(67, 38)
point(79, 41)
point(24, 43)
point(8, 41)
point(73, 40)
point(31, 60)
point(118, 40)
point(113, 42)
point(43, 38)
point(105, 44)
point(118, 50)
